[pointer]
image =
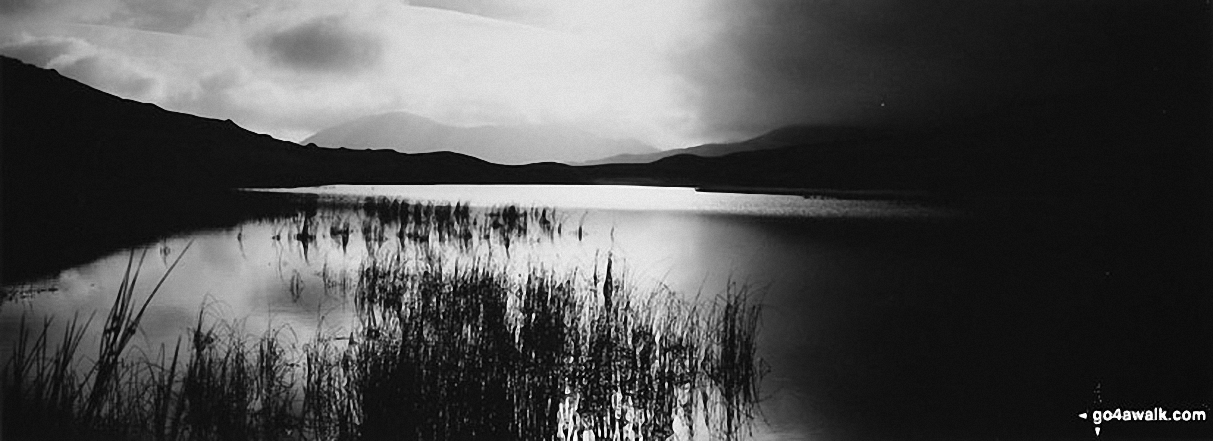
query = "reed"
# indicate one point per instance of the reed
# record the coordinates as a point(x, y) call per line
point(120, 326)
point(418, 222)
point(446, 348)
point(44, 391)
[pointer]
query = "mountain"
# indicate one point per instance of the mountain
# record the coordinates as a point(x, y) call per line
point(84, 171)
point(61, 137)
point(521, 144)
point(795, 135)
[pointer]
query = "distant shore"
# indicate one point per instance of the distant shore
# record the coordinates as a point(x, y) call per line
point(823, 192)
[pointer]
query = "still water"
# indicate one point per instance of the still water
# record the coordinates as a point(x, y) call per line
point(878, 317)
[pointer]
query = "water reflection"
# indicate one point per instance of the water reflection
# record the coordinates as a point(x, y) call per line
point(880, 319)
point(449, 322)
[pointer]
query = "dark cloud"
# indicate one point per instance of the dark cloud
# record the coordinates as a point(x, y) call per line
point(777, 62)
point(15, 7)
point(326, 44)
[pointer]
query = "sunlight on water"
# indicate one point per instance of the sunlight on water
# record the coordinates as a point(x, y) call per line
point(638, 198)
point(301, 273)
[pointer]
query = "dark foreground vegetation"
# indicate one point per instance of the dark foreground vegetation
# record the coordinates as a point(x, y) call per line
point(1114, 177)
point(444, 350)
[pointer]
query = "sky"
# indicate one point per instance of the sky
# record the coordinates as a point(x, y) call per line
point(671, 73)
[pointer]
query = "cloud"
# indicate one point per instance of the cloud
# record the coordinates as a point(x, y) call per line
point(10, 7)
point(214, 97)
point(292, 67)
point(111, 76)
point(42, 51)
point(528, 12)
point(171, 16)
point(323, 44)
point(84, 62)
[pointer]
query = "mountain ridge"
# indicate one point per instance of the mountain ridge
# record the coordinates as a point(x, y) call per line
point(503, 144)
point(786, 136)
point(82, 163)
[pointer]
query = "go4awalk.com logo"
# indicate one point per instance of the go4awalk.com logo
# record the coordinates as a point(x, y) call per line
point(1099, 415)
point(1156, 414)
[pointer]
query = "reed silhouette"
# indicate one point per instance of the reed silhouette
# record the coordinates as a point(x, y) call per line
point(445, 348)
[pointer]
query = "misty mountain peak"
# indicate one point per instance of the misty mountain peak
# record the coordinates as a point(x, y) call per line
point(513, 144)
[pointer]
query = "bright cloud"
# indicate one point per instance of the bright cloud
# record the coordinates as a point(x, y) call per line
point(290, 68)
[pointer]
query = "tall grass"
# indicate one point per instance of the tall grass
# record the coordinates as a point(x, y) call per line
point(120, 326)
point(234, 388)
point(46, 393)
point(443, 350)
point(41, 388)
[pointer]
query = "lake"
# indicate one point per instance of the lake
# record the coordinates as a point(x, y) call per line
point(876, 318)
